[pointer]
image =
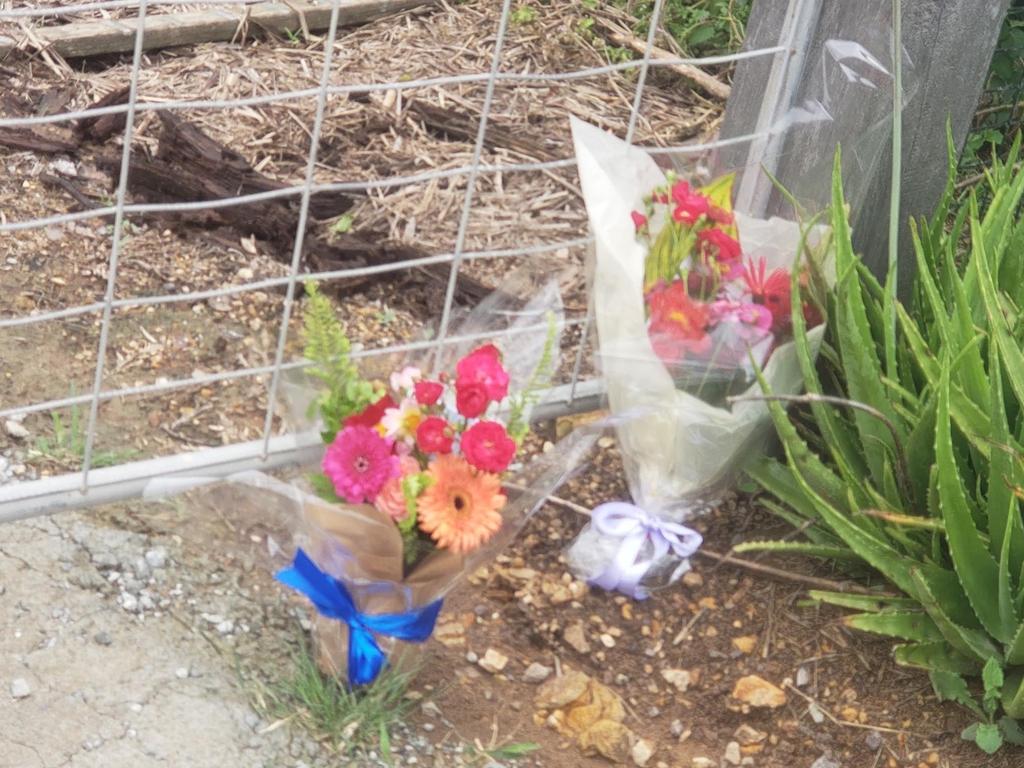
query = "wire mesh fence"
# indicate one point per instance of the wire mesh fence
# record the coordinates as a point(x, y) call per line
point(113, 337)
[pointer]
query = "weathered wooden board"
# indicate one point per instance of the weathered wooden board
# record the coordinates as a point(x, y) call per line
point(948, 45)
point(93, 38)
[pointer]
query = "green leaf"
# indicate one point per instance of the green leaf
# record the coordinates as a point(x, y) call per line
point(512, 751)
point(1012, 731)
point(992, 680)
point(1015, 648)
point(950, 686)
point(343, 224)
point(988, 738)
point(965, 640)
point(909, 625)
point(934, 656)
point(974, 564)
point(798, 548)
point(863, 602)
point(324, 488)
point(1013, 696)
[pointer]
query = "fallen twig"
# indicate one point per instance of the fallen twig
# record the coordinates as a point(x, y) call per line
point(708, 83)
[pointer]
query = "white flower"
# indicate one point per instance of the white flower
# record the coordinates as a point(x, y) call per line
point(400, 423)
point(405, 379)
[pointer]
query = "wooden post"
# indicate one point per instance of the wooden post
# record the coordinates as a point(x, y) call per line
point(834, 87)
point(220, 23)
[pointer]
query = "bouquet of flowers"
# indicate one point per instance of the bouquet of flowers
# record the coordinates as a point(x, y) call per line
point(713, 312)
point(422, 479)
point(692, 301)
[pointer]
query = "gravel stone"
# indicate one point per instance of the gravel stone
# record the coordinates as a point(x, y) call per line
point(536, 673)
point(156, 557)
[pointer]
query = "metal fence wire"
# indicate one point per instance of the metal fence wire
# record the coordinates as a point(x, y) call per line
point(89, 484)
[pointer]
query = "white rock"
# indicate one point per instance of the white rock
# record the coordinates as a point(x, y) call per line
point(20, 689)
point(803, 677)
point(494, 661)
point(16, 429)
point(226, 627)
point(732, 753)
point(536, 673)
point(129, 602)
point(680, 678)
point(156, 557)
point(703, 762)
point(181, 673)
point(642, 752)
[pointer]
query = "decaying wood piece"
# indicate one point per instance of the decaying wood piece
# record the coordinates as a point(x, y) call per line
point(28, 140)
point(93, 38)
point(461, 126)
point(182, 144)
point(190, 165)
point(102, 127)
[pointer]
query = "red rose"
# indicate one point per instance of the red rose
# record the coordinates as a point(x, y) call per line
point(428, 392)
point(487, 446)
point(372, 414)
point(434, 435)
point(471, 399)
point(483, 366)
point(639, 220)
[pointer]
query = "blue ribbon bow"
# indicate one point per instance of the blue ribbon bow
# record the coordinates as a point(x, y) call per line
point(633, 527)
point(333, 600)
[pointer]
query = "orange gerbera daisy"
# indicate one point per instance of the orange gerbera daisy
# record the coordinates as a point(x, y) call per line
point(460, 509)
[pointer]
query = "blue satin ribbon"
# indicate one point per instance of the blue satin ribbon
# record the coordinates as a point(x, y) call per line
point(634, 527)
point(333, 600)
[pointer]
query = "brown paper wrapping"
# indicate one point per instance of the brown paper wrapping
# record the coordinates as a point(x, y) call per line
point(362, 546)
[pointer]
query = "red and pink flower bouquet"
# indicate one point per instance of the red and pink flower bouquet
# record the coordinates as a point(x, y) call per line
point(692, 301)
point(424, 476)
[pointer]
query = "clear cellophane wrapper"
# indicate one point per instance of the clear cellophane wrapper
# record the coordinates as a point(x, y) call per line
point(360, 545)
point(686, 429)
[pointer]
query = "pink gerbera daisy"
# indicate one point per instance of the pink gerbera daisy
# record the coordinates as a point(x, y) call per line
point(359, 462)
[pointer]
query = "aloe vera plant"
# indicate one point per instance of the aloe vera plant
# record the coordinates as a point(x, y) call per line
point(908, 456)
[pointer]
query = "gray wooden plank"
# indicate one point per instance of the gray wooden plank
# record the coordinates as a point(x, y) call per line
point(93, 38)
point(948, 44)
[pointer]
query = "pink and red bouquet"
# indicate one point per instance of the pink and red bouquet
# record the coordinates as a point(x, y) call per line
point(709, 306)
point(421, 480)
point(429, 452)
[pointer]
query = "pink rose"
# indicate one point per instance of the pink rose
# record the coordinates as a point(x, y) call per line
point(487, 446)
point(428, 392)
point(471, 399)
point(391, 499)
point(434, 435)
point(639, 220)
point(483, 366)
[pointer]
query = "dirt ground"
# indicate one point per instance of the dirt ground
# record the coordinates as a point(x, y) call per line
point(147, 633)
point(152, 632)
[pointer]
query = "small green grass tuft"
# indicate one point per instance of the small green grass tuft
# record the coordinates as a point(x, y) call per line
point(67, 445)
point(343, 718)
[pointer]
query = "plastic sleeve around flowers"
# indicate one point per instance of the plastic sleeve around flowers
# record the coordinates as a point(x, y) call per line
point(682, 437)
point(358, 544)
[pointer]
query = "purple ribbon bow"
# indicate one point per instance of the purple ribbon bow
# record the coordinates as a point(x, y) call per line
point(634, 527)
